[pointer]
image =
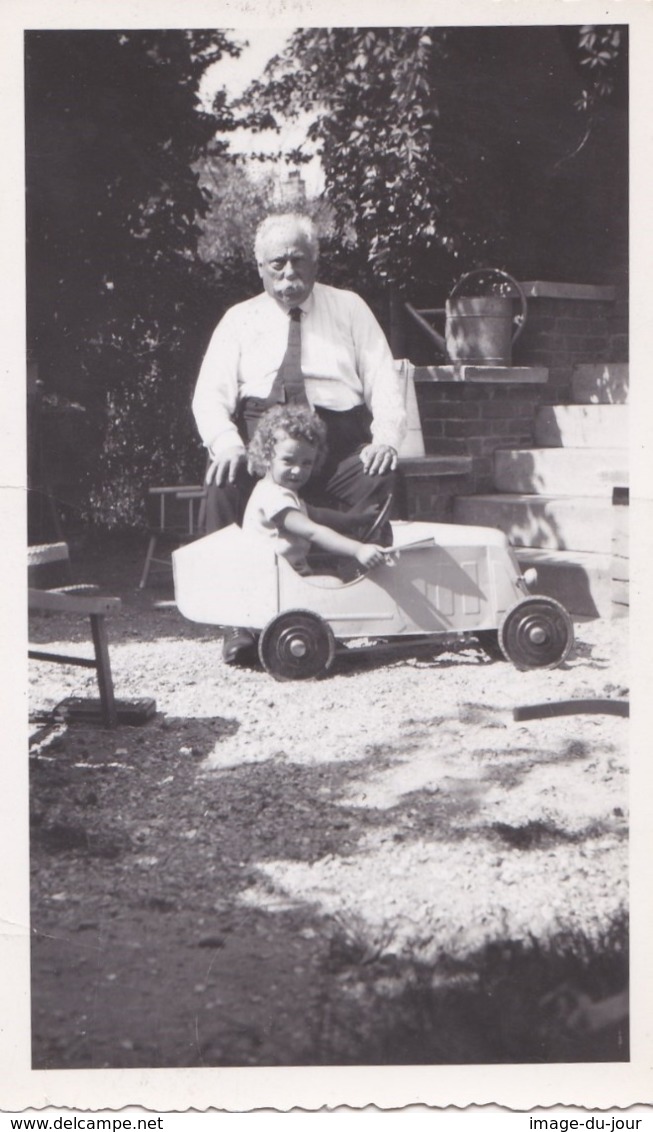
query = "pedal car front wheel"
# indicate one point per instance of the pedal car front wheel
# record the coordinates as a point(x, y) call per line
point(297, 645)
point(536, 633)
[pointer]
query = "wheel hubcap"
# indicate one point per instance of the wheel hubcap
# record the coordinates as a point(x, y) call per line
point(297, 645)
point(537, 633)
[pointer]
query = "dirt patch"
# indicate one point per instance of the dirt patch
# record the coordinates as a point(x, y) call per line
point(381, 866)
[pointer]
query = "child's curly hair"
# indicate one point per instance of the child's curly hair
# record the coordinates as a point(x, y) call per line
point(296, 421)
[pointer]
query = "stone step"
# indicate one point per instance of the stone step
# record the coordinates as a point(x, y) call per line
point(600, 383)
point(560, 471)
point(544, 521)
point(581, 582)
point(582, 426)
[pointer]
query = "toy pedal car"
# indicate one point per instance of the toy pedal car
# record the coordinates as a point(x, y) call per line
point(440, 581)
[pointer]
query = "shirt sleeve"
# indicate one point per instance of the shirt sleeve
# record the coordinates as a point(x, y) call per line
point(382, 383)
point(216, 392)
point(275, 500)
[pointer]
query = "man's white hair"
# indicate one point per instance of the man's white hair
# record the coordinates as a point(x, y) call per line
point(289, 222)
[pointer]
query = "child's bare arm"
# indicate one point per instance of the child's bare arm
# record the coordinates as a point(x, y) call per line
point(351, 522)
point(296, 523)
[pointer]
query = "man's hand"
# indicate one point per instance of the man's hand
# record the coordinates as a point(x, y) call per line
point(224, 469)
point(378, 458)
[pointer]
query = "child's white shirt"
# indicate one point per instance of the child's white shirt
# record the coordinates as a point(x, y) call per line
point(266, 503)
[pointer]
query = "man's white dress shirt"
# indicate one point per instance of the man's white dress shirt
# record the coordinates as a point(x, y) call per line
point(346, 361)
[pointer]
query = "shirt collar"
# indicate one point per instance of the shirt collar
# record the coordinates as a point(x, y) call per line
point(305, 307)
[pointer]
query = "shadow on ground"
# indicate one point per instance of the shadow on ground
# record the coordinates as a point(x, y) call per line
point(146, 952)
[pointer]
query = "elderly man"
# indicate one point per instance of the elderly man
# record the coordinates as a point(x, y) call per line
point(299, 341)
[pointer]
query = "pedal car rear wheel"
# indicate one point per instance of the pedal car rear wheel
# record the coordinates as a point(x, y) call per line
point(536, 633)
point(297, 645)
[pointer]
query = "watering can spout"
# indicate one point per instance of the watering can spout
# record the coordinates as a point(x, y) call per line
point(426, 326)
point(479, 330)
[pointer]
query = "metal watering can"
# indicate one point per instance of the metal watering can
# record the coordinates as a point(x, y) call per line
point(479, 330)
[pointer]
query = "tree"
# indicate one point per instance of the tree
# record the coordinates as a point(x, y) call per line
point(119, 304)
point(237, 201)
point(370, 93)
point(446, 149)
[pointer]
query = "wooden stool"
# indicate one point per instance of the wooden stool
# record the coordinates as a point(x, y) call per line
point(177, 517)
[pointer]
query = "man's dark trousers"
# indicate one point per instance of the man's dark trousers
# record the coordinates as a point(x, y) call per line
point(340, 483)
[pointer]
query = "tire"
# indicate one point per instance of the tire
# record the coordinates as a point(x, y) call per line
point(536, 633)
point(297, 645)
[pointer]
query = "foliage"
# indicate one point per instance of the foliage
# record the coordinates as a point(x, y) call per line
point(599, 53)
point(235, 204)
point(119, 305)
point(602, 54)
point(237, 201)
point(512, 1001)
point(370, 94)
point(442, 148)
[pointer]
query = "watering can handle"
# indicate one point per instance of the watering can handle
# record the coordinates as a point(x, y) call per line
point(520, 319)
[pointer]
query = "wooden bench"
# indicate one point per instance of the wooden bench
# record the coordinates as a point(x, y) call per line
point(77, 599)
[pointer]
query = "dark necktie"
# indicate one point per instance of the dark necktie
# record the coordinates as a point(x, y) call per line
point(288, 385)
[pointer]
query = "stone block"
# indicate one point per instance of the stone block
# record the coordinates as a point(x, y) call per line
point(511, 375)
point(603, 383)
point(581, 582)
point(582, 426)
point(542, 522)
point(573, 293)
point(560, 471)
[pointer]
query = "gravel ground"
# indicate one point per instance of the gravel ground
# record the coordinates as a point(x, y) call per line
point(265, 872)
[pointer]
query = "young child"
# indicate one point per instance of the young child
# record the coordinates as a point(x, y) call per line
point(288, 443)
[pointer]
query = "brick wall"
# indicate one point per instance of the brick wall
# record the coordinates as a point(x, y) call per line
point(472, 420)
point(428, 497)
point(465, 419)
point(618, 346)
point(561, 333)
